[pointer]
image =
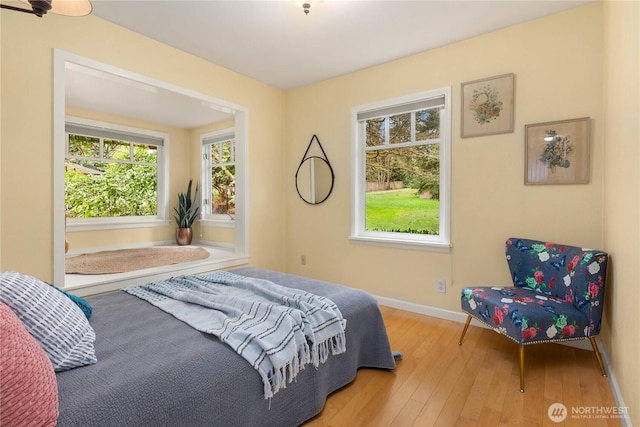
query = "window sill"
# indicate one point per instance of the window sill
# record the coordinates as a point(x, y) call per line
point(222, 223)
point(97, 224)
point(401, 243)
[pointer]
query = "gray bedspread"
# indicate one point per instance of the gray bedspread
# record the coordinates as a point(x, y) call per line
point(154, 370)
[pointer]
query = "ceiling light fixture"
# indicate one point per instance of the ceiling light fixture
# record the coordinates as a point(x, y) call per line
point(58, 7)
point(306, 6)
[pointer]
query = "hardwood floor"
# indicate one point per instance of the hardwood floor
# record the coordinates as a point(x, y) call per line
point(439, 383)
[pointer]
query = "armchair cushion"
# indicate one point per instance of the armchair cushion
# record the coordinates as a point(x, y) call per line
point(524, 315)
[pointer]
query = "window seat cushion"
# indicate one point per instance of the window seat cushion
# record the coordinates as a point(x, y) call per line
point(525, 315)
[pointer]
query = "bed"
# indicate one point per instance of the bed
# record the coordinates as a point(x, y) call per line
point(154, 370)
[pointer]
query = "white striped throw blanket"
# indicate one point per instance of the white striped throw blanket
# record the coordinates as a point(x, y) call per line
point(278, 330)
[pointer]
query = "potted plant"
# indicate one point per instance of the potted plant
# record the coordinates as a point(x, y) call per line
point(186, 213)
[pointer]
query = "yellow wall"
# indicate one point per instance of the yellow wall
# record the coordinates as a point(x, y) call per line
point(26, 87)
point(558, 66)
point(622, 195)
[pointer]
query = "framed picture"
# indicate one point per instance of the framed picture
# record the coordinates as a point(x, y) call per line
point(557, 152)
point(487, 106)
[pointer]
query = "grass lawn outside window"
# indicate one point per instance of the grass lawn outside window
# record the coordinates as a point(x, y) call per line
point(401, 211)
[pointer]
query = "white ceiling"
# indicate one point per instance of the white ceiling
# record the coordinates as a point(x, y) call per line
point(97, 90)
point(276, 43)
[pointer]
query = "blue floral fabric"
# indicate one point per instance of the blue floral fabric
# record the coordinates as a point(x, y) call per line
point(558, 293)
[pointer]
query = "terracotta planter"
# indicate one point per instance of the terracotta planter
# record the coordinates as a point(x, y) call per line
point(184, 236)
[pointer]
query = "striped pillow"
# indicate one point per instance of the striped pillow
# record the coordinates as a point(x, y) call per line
point(28, 386)
point(59, 326)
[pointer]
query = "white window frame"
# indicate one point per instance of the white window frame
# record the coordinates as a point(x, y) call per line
point(206, 217)
point(162, 211)
point(438, 243)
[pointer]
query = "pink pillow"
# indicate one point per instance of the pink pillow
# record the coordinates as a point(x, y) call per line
point(28, 387)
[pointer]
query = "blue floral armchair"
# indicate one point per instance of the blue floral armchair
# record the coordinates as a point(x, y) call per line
point(558, 295)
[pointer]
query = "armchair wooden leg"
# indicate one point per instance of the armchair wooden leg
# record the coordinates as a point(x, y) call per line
point(597, 352)
point(464, 331)
point(521, 357)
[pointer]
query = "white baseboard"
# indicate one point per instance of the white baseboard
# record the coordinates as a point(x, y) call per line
point(461, 317)
point(457, 316)
point(440, 313)
point(613, 383)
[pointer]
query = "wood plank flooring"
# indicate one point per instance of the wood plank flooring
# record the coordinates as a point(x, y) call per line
point(439, 383)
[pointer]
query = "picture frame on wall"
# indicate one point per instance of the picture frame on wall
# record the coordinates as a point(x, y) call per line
point(488, 106)
point(557, 152)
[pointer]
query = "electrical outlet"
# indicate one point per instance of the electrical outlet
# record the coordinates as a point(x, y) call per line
point(442, 285)
point(303, 259)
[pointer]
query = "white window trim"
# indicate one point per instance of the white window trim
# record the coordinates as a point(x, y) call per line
point(439, 243)
point(162, 217)
point(208, 219)
point(115, 223)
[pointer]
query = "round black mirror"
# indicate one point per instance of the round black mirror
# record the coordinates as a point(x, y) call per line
point(314, 180)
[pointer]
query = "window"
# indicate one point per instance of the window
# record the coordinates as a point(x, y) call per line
point(112, 172)
point(219, 175)
point(401, 171)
